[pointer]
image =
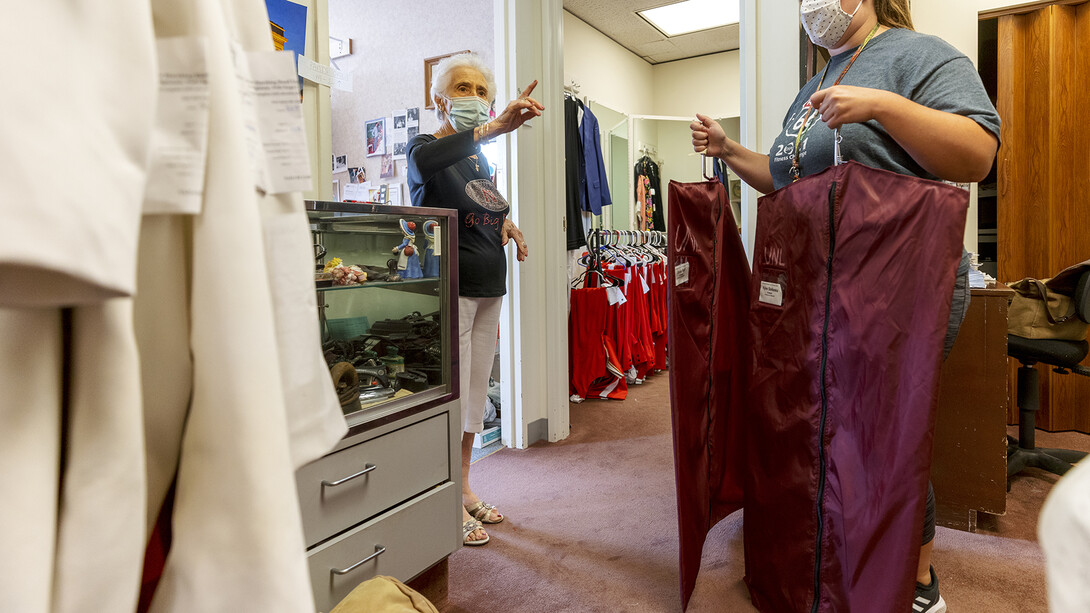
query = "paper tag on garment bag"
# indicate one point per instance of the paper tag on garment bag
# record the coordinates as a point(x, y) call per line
point(178, 149)
point(771, 293)
point(681, 274)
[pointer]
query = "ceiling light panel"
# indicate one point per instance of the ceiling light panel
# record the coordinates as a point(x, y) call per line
point(691, 16)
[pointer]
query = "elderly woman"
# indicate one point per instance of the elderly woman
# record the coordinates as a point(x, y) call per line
point(447, 169)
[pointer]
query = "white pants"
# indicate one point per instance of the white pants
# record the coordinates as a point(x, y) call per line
point(1064, 534)
point(478, 326)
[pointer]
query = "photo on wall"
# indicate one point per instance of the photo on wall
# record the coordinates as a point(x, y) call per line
point(399, 135)
point(357, 174)
point(387, 166)
point(340, 163)
point(375, 131)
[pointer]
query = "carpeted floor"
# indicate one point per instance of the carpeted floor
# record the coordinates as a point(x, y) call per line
point(592, 526)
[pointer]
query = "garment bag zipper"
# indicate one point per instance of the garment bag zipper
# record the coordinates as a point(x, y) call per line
point(824, 398)
point(711, 325)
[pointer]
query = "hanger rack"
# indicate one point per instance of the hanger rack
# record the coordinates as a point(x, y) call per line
point(571, 89)
point(650, 151)
point(634, 238)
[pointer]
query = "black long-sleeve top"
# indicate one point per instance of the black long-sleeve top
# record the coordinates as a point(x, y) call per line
point(443, 174)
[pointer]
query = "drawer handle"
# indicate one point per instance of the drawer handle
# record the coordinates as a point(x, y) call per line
point(379, 550)
point(363, 472)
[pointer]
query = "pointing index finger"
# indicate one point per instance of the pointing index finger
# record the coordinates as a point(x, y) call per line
point(529, 88)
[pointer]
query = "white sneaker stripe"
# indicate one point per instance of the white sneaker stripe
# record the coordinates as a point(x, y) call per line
point(922, 600)
point(917, 607)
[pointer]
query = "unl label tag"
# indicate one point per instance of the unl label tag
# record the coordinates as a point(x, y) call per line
point(681, 274)
point(771, 293)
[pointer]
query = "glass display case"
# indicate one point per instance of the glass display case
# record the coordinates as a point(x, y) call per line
point(386, 282)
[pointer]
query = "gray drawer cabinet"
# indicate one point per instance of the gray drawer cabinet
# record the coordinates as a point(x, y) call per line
point(370, 477)
point(385, 502)
point(399, 543)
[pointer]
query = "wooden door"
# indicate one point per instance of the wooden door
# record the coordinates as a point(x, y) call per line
point(1044, 170)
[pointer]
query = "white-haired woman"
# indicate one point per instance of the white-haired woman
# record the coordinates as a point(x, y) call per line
point(447, 169)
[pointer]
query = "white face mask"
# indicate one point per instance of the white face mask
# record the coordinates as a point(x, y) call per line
point(467, 112)
point(825, 22)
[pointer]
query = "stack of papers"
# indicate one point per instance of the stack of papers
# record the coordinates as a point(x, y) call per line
point(979, 278)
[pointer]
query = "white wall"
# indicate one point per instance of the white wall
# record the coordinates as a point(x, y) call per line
point(710, 85)
point(390, 39)
point(955, 22)
point(614, 77)
point(605, 71)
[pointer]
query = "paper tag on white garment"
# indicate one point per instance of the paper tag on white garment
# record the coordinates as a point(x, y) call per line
point(681, 274)
point(615, 296)
point(249, 115)
point(178, 149)
point(273, 119)
point(437, 248)
point(771, 293)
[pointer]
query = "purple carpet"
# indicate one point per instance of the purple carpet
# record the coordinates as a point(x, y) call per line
point(592, 526)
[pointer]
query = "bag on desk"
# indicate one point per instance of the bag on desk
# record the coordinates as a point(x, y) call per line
point(1040, 311)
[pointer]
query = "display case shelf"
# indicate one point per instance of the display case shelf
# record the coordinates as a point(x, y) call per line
point(427, 287)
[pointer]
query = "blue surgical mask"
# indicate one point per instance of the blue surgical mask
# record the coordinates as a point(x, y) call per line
point(468, 112)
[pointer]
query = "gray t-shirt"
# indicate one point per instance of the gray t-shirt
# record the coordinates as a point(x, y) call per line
point(922, 68)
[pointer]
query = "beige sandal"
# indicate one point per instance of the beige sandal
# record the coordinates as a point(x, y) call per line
point(467, 529)
point(480, 511)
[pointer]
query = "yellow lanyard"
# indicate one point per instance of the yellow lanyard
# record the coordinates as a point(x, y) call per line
point(795, 170)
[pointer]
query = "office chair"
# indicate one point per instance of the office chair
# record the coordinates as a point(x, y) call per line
point(1064, 357)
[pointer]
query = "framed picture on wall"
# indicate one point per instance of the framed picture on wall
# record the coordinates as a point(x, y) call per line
point(429, 64)
point(375, 131)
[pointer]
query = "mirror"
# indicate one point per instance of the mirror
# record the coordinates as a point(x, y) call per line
point(667, 142)
point(613, 125)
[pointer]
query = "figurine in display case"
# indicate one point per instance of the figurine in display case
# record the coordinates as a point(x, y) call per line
point(408, 262)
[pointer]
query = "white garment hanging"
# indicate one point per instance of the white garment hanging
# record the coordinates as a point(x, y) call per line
point(216, 330)
point(72, 154)
point(1064, 534)
point(237, 534)
point(31, 363)
point(73, 144)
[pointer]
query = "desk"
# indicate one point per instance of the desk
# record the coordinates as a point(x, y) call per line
point(969, 463)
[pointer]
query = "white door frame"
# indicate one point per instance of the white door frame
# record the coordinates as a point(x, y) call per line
point(534, 320)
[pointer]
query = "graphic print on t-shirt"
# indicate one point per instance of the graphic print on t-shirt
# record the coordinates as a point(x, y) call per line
point(484, 193)
point(784, 151)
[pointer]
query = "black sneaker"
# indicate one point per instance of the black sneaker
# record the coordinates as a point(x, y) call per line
point(927, 598)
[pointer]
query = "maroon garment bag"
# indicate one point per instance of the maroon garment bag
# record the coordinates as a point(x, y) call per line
point(710, 362)
point(853, 274)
